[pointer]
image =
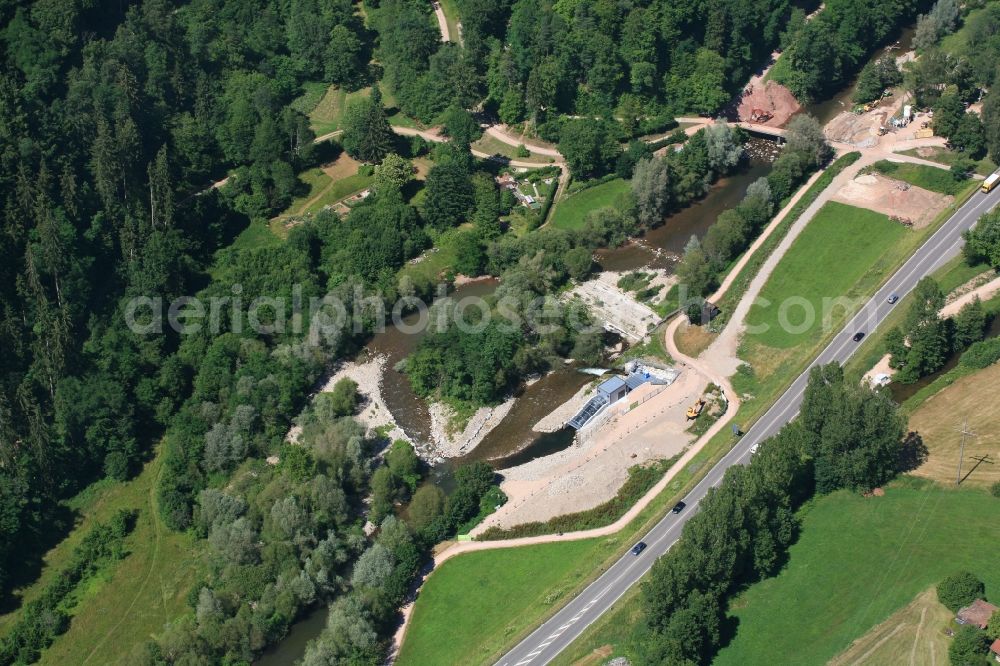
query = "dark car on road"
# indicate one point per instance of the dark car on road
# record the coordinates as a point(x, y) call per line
point(678, 507)
point(857, 336)
point(638, 548)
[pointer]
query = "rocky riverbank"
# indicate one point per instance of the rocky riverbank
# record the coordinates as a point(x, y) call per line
point(449, 443)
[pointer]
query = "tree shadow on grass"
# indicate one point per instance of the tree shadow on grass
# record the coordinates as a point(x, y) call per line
point(912, 453)
point(28, 564)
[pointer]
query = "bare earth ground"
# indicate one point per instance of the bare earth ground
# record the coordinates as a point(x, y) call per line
point(984, 287)
point(940, 418)
point(615, 308)
point(591, 471)
point(771, 97)
point(892, 197)
point(374, 412)
point(913, 635)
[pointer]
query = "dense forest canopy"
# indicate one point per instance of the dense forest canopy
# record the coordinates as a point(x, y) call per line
point(587, 57)
point(113, 117)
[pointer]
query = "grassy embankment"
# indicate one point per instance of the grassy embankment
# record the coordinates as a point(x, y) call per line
point(133, 599)
point(921, 175)
point(571, 210)
point(948, 157)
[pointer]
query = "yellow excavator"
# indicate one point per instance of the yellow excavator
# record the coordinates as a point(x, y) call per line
point(695, 409)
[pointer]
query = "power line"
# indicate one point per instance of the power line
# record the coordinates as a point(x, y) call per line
point(961, 451)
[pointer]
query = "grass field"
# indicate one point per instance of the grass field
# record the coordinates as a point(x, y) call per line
point(938, 421)
point(494, 146)
point(844, 252)
point(921, 175)
point(328, 113)
point(859, 560)
point(984, 166)
point(325, 105)
point(742, 281)
point(327, 185)
point(257, 234)
point(570, 211)
point(474, 603)
point(133, 599)
point(915, 631)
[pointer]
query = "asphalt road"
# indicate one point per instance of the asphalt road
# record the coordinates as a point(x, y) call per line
point(565, 626)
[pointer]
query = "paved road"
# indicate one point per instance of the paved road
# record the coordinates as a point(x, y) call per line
point(565, 626)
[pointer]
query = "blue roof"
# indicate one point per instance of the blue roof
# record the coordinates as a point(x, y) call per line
point(636, 379)
point(611, 385)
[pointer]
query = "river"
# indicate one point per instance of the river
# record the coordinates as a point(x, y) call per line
point(827, 110)
point(903, 392)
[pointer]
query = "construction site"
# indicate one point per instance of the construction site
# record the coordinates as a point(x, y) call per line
point(907, 204)
point(618, 427)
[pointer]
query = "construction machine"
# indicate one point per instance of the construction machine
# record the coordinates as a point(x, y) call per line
point(695, 409)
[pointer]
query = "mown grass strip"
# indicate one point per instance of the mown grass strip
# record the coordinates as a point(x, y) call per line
point(739, 286)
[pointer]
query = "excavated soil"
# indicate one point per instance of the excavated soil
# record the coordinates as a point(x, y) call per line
point(770, 97)
point(893, 198)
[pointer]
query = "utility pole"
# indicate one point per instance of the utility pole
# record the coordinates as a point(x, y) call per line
point(961, 451)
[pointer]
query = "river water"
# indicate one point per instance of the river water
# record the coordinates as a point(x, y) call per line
point(902, 392)
point(827, 110)
point(659, 248)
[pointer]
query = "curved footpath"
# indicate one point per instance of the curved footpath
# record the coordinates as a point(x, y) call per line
point(442, 22)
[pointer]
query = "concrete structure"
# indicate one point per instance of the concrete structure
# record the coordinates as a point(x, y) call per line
point(613, 389)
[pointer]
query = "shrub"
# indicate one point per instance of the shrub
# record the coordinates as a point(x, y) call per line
point(981, 354)
point(968, 647)
point(959, 589)
point(995, 489)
